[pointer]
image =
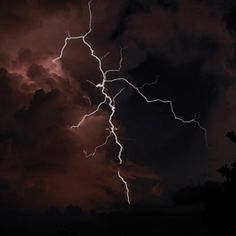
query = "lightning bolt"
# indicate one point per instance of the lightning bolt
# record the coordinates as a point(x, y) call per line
point(110, 100)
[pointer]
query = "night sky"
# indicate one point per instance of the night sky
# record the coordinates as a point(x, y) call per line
point(188, 46)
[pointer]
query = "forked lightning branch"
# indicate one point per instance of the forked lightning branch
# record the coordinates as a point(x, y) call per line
point(110, 99)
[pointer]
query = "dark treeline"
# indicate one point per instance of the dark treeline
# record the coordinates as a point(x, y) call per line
point(207, 209)
point(133, 221)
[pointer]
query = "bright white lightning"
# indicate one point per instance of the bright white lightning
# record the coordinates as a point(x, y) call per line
point(148, 84)
point(97, 147)
point(169, 102)
point(110, 100)
point(126, 186)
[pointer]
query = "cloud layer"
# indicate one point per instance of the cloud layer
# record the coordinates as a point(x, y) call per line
point(188, 45)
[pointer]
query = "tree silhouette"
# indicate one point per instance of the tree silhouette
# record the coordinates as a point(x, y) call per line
point(232, 136)
point(229, 173)
point(225, 172)
point(221, 202)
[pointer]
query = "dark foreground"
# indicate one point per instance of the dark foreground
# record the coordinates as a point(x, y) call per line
point(208, 209)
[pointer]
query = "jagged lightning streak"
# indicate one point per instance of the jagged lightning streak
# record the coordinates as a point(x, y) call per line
point(126, 186)
point(107, 99)
point(108, 136)
point(99, 146)
point(148, 84)
point(169, 102)
point(110, 100)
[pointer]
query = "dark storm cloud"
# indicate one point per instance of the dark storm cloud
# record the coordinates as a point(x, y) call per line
point(186, 44)
point(42, 157)
point(24, 56)
point(133, 7)
point(169, 5)
point(40, 75)
point(23, 16)
point(41, 154)
point(11, 97)
point(189, 52)
point(63, 5)
point(13, 20)
point(221, 5)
